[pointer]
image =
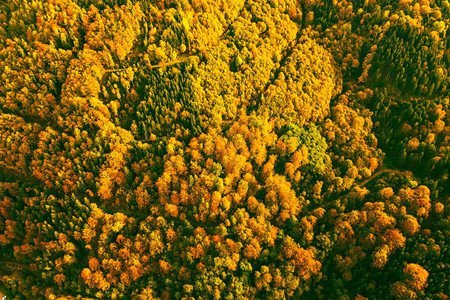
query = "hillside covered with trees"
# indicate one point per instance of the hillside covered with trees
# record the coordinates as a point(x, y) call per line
point(212, 149)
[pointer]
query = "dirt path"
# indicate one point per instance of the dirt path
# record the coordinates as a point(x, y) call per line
point(181, 58)
point(375, 175)
point(383, 170)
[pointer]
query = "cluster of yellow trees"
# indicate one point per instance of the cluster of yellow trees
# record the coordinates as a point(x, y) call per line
point(197, 149)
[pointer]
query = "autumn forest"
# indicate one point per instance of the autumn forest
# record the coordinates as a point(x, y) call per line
point(224, 149)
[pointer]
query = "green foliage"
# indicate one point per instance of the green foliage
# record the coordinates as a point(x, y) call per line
point(418, 133)
point(412, 60)
point(311, 138)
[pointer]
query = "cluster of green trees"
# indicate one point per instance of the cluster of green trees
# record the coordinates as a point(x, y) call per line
point(197, 149)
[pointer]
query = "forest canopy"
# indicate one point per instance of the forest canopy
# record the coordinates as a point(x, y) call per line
point(211, 149)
